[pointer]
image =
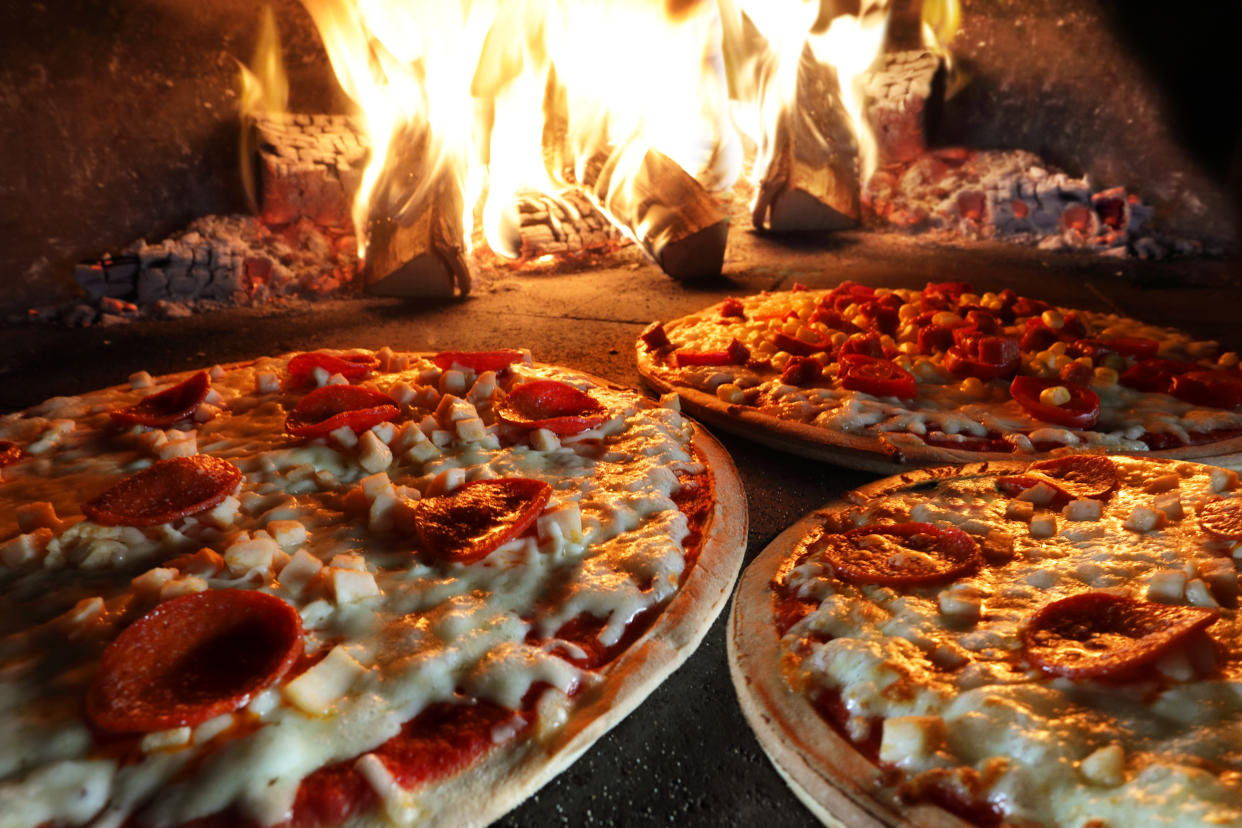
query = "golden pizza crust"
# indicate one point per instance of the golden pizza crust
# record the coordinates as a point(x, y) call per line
point(875, 454)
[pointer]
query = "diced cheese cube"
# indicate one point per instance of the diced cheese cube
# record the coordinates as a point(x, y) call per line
point(373, 453)
point(104, 552)
point(349, 585)
point(349, 560)
point(385, 432)
point(1105, 766)
point(205, 412)
point(256, 553)
point(541, 439)
point(1223, 480)
point(1145, 519)
point(911, 739)
point(1198, 594)
point(140, 379)
point(470, 429)
point(453, 381)
point(213, 727)
point(1084, 509)
point(343, 437)
point(40, 514)
point(25, 547)
point(84, 611)
point(422, 452)
point(1041, 494)
point(566, 518)
point(730, 392)
point(223, 513)
point(1043, 526)
point(1022, 510)
point(380, 515)
point(1221, 577)
point(961, 603)
point(375, 485)
point(185, 444)
point(265, 382)
point(441, 437)
point(1171, 504)
point(1163, 483)
point(484, 387)
point(150, 583)
point(1167, 586)
point(203, 563)
point(182, 586)
point(402, 393)
point(164, 739)
point(407, 436)
point(446, 481)
point(318, 689)
point(316, 613)
point(671, 401)
point(287, 533)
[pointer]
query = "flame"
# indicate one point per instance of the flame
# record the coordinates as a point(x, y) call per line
point(940, 21)
point(471, 102)
point(264, 91)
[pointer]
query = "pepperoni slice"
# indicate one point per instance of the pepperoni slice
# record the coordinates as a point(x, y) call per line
point(554, 405)
point(326, 409)
point(1075, 477)
point(164, 491)
point(352, 366)
point(735, 354)
point(479, 361)
point(193, 658)
point(167, 406)
point(1218, 389)
point(901, 554)
point(1155, 375)
point(1102, 635)
point(10, 453)
point(468, 524)
point(1222, 518)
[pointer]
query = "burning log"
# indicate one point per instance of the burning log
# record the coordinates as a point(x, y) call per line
point(421, 255)
point(904, 96)
point(811, 181)
point(675, 220)
point(309, 166)
point(566, 225)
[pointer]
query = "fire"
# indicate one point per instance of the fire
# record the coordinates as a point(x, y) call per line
point(469, 105)
point(264, 91)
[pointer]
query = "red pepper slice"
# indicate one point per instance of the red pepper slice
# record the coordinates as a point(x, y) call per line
point(883, 314)
point(1105, 636)
point(793, 345)
point(166, 490)
point(479, 361)
point(802, 370)
point(878, 377)
point(655, 337)
point(981, 355)
point(353, 366)
point(732, 307)
point(193, 658)
point(1156, 375)
point(553, 405)
point(469, 523)
point(1218, 389)
point(10, 453)
point(1075, 477)
point(900, 554)
point(935, 338)
point(735, 354)
point(1082, 410)
point(1222, 518)
point(326, 409)
point(845, 294)
point(168, 406)
point(1135, 347)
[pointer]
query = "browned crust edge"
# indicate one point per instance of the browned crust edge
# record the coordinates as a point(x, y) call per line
point(874, 454)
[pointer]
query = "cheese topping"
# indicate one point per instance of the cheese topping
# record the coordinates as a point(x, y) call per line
point(946, 409)
point(324, 525)
point(942, 667)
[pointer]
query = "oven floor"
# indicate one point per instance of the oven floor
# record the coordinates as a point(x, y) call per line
point(686, 755)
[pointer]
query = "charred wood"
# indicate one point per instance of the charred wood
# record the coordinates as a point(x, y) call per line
point(904, 96)
point(309, 166)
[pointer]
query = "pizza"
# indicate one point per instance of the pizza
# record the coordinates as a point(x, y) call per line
point(883, 380)
point(342, 587)
point(1046, 643)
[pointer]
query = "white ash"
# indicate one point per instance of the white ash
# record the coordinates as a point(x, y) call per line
point(1009, 195)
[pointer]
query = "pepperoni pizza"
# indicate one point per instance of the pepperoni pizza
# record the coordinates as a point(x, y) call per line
point(887, 379)
point(1047, 644)
point(338, 588)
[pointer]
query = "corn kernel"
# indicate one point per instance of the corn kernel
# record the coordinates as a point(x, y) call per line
point(1053, 318)
point(946, 318)
point(1106, 376)
point(730, 393)
point(1229, 359)
point(972, 386)
point(907, 312)
point(779, 360)
point(909, 348)
point(1056, 395)
point(1057, 348)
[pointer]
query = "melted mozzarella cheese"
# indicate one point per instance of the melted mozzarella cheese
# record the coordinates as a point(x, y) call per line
point(403, 633)
point(897, 653)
